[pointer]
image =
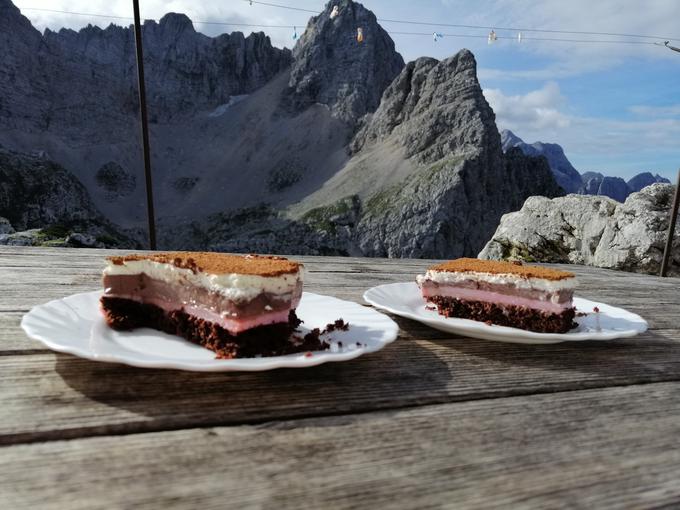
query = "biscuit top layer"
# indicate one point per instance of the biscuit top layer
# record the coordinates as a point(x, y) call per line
point(501, 267)
point(218, 263)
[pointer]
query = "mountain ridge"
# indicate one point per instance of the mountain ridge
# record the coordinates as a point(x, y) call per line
point(565, 174)
point(588, 183)
point(336, 148)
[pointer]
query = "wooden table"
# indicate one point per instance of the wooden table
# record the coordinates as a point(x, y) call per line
point(431, 421)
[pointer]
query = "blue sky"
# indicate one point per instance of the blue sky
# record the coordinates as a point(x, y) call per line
point(615, 108)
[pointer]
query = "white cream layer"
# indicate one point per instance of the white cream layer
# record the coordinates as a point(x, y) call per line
point(448, 277)
point(231, 285)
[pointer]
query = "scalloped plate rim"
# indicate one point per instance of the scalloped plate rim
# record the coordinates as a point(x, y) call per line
point(481, 330)
point(31, 324)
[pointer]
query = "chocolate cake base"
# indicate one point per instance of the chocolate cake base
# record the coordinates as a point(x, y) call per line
point(520, 317)
point(270, 340)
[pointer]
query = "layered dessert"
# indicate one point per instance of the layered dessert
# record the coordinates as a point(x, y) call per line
point(504, 293)
point(235, 305)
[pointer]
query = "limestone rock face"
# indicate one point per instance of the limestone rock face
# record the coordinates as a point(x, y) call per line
point(86, 81)
point(88, 78)
point(115, 180)
point(37, 193)
point(428, 170)
point(590, 230)
point(427, 178)
point(332, 68)
point(595, 183)
point(436, 113)
point(591, 183)
point(419, 108)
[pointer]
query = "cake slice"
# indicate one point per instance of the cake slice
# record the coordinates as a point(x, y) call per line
point(235, 305)
point(505, 293)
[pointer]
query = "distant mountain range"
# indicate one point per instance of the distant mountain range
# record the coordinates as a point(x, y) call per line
point(589, 183)
point(337, 147)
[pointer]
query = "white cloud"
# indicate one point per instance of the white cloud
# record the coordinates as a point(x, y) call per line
point(656, 111)
point(613, 146)
point(657, 18)
point(539, 109)
point(234, 12)
point(554, 70)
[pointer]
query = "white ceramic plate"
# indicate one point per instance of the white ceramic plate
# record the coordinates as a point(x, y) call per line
point(404, 299)
point(75, 325)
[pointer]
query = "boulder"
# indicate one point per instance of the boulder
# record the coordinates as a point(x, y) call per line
point(78, 240)
point(591, 230)
point(30, 237)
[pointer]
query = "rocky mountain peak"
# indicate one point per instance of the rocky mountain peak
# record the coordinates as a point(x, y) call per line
point(172, 25)
point(595, 183)
point(614, 187)
point(8, 9)
point(186, 71)
point(509, 139)
point(176, 20)
point(13, 24)
point(434, 108)
point(645, 179)
point(333, 67)
point(565, 174)
point(427, 169)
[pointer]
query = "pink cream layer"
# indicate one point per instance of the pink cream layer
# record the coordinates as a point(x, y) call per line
point(231, 324)
point(492, 297)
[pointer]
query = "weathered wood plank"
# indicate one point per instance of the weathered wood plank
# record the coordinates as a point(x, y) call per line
point(77, 397)
point(48, 396)
point(12, 338)
point(19, 257)
point(29, 257)
point(609, 448)
point(26, 288)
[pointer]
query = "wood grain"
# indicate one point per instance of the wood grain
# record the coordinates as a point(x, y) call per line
point(48, 396)
point(433, 420)
point(44, 396)
point(607, 448)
